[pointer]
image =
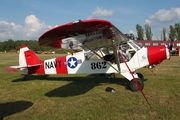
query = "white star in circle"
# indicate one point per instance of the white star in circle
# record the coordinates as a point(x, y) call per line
point(72, 62)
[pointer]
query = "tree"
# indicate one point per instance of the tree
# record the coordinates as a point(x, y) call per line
point(140, 32)
point(148, 32)
point(9, 45)
point(15, 45)
point(164, 34)
point(177, 27)
point(130, 36)
point(172, 33)
point(33, 44)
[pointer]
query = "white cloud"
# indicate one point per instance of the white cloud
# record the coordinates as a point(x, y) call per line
point(34, 26)
point(164, 17)
point(9, 30)
point(32, 30)
point(99, 12)
point(131, 31)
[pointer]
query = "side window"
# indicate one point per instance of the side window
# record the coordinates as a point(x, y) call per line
point(127, 52)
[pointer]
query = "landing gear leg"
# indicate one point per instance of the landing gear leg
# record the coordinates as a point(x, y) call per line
point(24, 76)
point(140, 76)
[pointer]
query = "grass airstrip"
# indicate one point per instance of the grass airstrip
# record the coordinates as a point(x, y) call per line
point(83, 97)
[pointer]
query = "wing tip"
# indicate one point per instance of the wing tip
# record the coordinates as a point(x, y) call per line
point(10, 69)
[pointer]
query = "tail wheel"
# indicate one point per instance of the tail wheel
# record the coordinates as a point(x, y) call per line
point(140, 76)
point(24, 76)
point(134, 86)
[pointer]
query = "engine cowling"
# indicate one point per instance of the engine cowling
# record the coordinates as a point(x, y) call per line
point(156, 54)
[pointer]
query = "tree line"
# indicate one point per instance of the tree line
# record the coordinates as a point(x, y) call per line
point(11, 45)
point(173, 33)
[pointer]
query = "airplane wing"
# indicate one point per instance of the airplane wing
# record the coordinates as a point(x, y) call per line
point(79, 34)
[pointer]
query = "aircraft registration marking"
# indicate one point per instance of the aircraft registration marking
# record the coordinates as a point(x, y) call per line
point(93, 33)
point(98, 65)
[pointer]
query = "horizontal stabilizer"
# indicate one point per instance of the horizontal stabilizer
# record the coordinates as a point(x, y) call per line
point(15, 68)
point(11, 69)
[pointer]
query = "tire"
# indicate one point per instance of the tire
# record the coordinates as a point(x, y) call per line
point(133, 86)
point(140, 76)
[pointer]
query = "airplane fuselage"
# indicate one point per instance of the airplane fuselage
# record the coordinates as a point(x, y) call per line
point(78, 64)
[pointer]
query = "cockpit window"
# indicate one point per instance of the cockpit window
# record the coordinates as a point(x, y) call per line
point(135, 45)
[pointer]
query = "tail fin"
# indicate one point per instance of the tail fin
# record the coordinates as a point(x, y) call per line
point(27, 58)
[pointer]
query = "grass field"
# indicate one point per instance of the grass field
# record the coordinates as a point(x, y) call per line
point(83, 97)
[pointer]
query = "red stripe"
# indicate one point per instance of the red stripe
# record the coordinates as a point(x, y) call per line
point(60, 67)
point(57, 44)
point(37, 69)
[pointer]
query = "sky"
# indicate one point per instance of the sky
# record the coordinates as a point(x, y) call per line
point(29, 19)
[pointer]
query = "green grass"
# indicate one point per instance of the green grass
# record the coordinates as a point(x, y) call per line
point(83, 97)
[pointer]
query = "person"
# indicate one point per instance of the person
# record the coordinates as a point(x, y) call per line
point(110, 57)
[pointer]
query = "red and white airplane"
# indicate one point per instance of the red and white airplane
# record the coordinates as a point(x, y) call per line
point(105, 50)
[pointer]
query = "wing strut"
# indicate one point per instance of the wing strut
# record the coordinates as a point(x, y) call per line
point(101, 57)
point(116, 55)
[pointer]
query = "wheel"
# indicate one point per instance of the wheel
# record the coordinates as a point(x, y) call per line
point(133, 86)
point(140, 76)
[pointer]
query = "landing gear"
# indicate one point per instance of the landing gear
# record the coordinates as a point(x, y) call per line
point(24, 76)
point(140, 76)
point(132, 84)
point(134, 87)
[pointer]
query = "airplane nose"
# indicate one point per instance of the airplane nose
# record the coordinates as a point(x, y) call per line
point(156, 54)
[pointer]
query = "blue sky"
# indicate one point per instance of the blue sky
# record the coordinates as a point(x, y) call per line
point(29, 19)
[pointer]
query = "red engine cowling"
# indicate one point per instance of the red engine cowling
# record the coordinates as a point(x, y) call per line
point(156, 54)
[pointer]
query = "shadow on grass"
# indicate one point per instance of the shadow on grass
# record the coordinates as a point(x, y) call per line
point(81, 85)
point(31, 77)
point(9, 108)
point(78, 85)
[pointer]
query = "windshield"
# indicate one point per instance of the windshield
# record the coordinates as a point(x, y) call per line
point(136, 46)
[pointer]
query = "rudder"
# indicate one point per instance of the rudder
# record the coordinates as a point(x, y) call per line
point(28, 57)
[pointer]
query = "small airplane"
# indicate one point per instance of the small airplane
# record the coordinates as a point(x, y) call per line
point(104, 50)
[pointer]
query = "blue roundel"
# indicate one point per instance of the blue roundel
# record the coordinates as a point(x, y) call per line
point(72, 62)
